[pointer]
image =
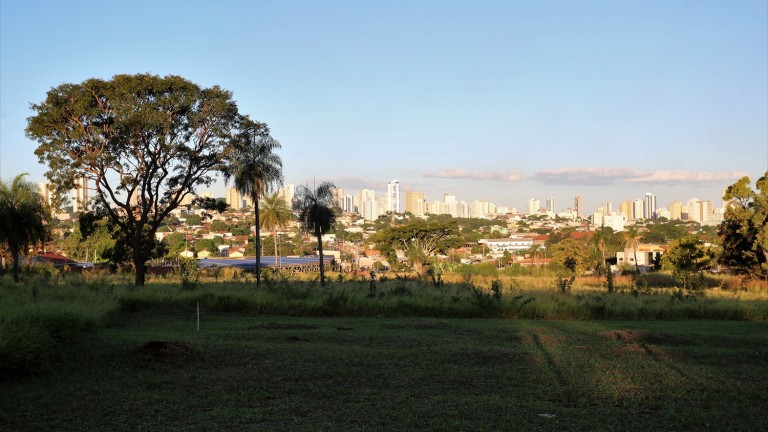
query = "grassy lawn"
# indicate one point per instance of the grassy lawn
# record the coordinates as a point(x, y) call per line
point(401, 374)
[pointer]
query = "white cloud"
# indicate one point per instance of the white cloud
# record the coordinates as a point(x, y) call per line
point(676, 177)
point(594, 176)
point(460, 173)
point(352, 183)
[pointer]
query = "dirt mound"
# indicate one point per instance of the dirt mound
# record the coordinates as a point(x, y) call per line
point(643, 336)
point(626, 335)
point(417, 325)
point(159, 350)
point(283, 326)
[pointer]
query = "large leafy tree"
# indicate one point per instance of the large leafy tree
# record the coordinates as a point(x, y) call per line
point(274, 216)
point(570, 254)
point(142, 141)
point(24, 218)
point(419, 240)
point(254, 169)
point(687, 257)
point(744, 230)
point(316, 214)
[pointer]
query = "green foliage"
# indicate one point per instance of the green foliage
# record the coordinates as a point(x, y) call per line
point(744, 231)
point(569, 254)
point(565, 284)
point(372, 285)
point(254, 168)
point(663, 233)
point(193, 220)
point(219, 226)
point(24, 218)
point(206, 245)
point(144, 142)
point(316, 215)
point(687, 258)
point(420, 239)
point(189, 272)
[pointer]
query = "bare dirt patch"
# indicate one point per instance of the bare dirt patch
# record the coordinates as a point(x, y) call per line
point(163, 350)
point(283, 326)
point(626, 335)
point(643, 336)
point(417, 325)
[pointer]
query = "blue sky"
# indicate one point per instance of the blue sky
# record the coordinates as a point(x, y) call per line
point(494, 100)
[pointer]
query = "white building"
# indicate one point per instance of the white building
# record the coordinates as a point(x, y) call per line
point(512, 244)
point(393, 196)
point(616, 222)
point(533, 206)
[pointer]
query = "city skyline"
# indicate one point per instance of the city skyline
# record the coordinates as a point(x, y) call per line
point(600, 99)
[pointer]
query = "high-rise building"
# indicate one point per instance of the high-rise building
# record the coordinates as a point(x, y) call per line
point(649, 206)
point(288, 192)
point(338, 195)
point(347, 203)
point(370, 209)
point(80, 195)
point(415, 203)
point(234, 199)
point(626, 210)
point(551, 205)
point(533, 206)
point(364, 195)
point(393, 196)
point(675, 210)
point(578, 205)
point(637, 209)
point(44, 189)
point(695, 210)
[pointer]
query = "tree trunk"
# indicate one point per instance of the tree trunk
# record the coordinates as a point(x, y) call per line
point(765, 254)
point(140, 267)
point(274, 236)
point(258, 238)
point(637, 266)
point(16, 259)
point(322, 262)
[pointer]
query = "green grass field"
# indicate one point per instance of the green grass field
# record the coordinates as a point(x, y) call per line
point(275, 373)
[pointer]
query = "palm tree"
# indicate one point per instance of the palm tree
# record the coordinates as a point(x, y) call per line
point(534, 249)
point(316, 215)
point(632, 237)
point(23, 218)
point(599, 240)
point(274, 215)
point(254, 169)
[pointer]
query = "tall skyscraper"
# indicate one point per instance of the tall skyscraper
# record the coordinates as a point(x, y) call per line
point(80, 195)
point(578, 205)
point(234, 199)
point(551, 204)
point(533, 206)
point(637, 209)
point(415, 203)
point(338, 195)
point(626, 210)
point(675, 210)
point(287, 192)
point(348, 203)
point(649, 206)
point(44, 189)
point(364, 195)
point(393, 196)
point(370, 209)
